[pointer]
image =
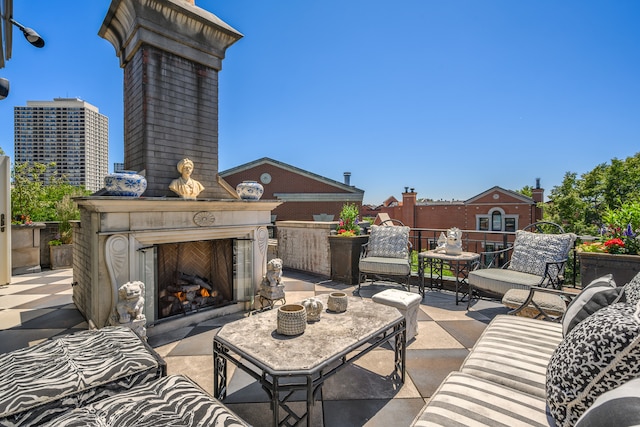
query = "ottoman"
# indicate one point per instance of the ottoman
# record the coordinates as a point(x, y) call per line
point(170, 401)
point(41, 382)
point(552, 304)
point(406, 302)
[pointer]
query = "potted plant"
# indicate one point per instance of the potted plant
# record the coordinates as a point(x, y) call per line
point(61, 248)
point(346, 246)
point(617, 249)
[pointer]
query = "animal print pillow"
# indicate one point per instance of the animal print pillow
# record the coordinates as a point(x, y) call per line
point(632, 290)
point(601, 353)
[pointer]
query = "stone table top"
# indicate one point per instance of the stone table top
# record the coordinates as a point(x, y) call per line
point(256, 339)
point(464, 256)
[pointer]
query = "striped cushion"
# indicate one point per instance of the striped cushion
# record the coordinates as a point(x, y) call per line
point(380, 265)
point(50, 378)
point(464, 400)
point(171, 401)
point(598, 294)
point(500, 280)
point(617, 407)
point(514, 351)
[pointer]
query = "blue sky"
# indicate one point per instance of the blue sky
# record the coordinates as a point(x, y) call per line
point(448, 97)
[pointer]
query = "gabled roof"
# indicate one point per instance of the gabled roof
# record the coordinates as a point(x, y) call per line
point(510, 193)
point(293, 169)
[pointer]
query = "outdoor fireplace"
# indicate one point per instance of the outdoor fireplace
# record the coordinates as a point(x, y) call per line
point(196, 258)
point(177, 248)
point(193, 276)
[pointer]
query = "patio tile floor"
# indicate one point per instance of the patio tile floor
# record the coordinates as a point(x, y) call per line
point(38, 306)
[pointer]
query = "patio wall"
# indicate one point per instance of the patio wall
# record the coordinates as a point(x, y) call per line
point(304, 245)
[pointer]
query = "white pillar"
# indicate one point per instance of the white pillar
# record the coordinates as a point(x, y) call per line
point(5, 221)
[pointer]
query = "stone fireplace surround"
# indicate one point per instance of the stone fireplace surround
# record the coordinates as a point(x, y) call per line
point(128, 232)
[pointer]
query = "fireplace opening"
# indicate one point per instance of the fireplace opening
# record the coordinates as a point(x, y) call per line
point(193, 276)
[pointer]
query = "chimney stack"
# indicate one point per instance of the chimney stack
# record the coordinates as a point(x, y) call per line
point(347, 178)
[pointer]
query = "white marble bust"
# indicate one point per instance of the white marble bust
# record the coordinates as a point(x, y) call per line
point(185, 186)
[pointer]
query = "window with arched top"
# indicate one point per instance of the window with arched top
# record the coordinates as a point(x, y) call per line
point(496, 221)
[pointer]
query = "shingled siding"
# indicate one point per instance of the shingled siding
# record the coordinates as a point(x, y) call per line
point(171, 112)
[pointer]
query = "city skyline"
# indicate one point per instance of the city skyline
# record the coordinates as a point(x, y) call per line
point(447, 98)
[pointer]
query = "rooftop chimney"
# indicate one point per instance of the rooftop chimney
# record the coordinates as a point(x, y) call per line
point(347, 178)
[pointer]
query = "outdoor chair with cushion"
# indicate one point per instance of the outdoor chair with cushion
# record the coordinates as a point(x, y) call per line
point(536, 259)
point(387, 254)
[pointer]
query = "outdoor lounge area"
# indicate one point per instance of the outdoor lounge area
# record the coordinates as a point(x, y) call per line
point(39, 306)
point(458, 366)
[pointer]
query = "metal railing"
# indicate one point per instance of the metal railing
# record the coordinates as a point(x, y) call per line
point(484, 241)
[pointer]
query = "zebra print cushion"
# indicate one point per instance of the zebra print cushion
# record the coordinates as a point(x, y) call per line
point(171, 401)
point(48, 379)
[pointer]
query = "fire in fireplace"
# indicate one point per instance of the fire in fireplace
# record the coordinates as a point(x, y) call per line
point(194, 276)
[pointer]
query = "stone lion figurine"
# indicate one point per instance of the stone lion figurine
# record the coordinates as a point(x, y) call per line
point(451, 243)
point(130, 302)
point(274, 273)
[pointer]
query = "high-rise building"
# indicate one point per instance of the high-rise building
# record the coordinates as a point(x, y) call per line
point(68, 131)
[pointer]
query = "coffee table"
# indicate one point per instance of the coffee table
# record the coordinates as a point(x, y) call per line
point(285, 364)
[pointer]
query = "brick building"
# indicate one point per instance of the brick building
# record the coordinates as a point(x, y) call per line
point(495, 209)
point(307, 196)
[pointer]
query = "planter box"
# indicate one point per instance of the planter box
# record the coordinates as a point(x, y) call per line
point(594, 265)
point(345, 254)
point(61, 256)
point(25, 248)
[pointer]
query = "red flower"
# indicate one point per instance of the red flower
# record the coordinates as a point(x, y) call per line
point(616, 242)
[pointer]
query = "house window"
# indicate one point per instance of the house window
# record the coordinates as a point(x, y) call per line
point(496, 221)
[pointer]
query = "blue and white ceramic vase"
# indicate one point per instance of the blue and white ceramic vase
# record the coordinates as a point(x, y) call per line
point(125, 184)
point(250, 190)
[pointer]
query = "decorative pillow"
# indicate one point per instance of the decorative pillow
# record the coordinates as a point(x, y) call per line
point(532, 251)
point(598, 294)
point(632, 290)
point(389, 241)
point(617, 407)
point(599, 354)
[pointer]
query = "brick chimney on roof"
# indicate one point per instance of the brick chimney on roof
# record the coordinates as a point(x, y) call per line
point(171, 52)
point(538, 196)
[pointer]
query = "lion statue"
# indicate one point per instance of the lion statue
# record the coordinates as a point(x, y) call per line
point(274, 273)
point(130, 302)
point(451, 243)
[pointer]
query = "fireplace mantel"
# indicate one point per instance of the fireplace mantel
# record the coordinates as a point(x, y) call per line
point(115, 235)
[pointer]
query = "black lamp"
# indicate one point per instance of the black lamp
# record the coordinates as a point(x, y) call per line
point(29, 34)
point(4, 88)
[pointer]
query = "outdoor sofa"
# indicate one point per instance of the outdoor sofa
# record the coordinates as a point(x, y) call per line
point(582, 370)
point(94, 377)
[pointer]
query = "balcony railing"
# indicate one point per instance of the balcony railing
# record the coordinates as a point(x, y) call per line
point(483, 241)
